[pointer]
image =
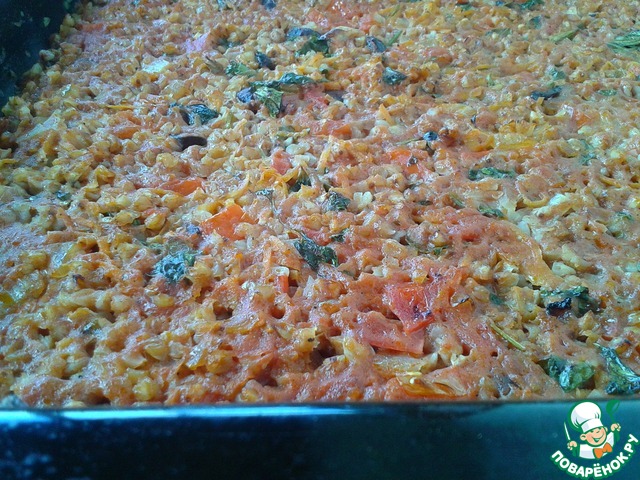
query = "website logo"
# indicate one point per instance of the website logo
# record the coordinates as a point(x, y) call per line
point(599, 448)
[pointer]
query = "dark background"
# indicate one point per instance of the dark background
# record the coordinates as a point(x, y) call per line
point(23, 35)
point(325, 442)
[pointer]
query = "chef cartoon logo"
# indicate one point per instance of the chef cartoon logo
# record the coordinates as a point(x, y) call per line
point(597, 442)
point(596, 439)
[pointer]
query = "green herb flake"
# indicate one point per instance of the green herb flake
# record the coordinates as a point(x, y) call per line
point(536, 22)
point(303, 179)
point(270, 98)
point(546, 94)
point(622, 380)
point(619, 224)
point(237, 68)
point(439, 251)
point(264, 61)
point(393, 77)
point(394, 38)
point(531, 4)
point(581, 302)
point(560, 307)
point(456, 200)
point(491, 212)
point(495, 299)
point(315, 254)
point(628, 40)
point(298, 32)
point(314, 44)
point(567, 35)
point(477, 174)
point(608, 92)
point(375, 45)
point(569, 375)
point(63, 196)
point(174, 266)
point(339, 237)
point(337, 202)
point(295, 79)
point(507, 337)
point(501, 32)
point(191, 113)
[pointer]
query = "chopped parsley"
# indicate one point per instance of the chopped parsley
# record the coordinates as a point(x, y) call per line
point(393, 77)
point(237, 68)
point(567, 35)
point(477, 174)
point(501, 32)
point(577, 299)
point(337, 202)
point(270, 98)
point(627, 41)
point(495, 299)
point(298, 32)
point(269, 93)
point(375, 45)
point(174, 266)
point(430, 136)
point(569, 375)
point(339, 237)
point(315, 254)
point(528, 5)
point(294, 79)
point(303, 179)
point(191, 113)
point(488, 211)
point(439, 251)
point(245, 95)
point(264, 61)
point(456, 200)
point(546, 94)
point(314, 44)
point(558, 308)
point(394, 38)
point(622, 380)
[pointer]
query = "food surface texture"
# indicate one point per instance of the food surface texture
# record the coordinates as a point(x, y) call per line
point(324, 200)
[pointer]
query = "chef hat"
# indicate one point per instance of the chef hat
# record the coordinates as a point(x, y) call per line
point(586, 416)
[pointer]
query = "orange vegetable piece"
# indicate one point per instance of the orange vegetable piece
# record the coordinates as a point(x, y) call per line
point(126, 131)
point(282, 283)
point(183, 186)
point(225, 222)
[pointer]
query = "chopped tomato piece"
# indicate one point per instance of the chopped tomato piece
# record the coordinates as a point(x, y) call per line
point(419, 305)
point(381, 332)
point(183, 186)
point(281, 161)
point(316, 97)
point(225, 222)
